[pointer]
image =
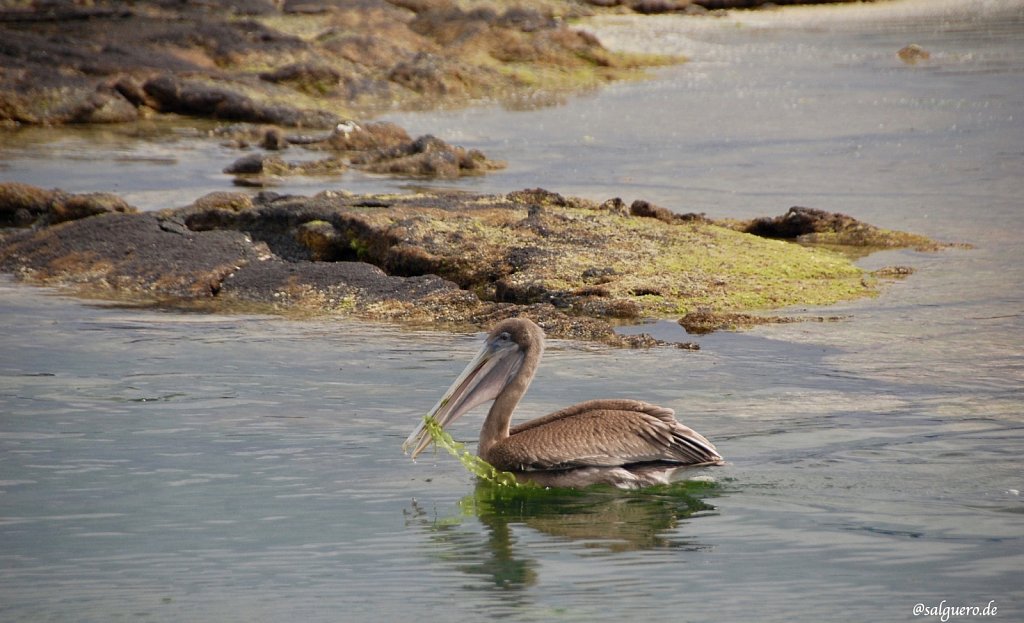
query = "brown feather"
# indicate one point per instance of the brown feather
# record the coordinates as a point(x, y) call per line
point(601, 433)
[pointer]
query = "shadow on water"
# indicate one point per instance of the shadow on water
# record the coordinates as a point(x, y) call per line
point(597, 519)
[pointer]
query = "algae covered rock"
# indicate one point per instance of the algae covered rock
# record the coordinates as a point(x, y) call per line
point(439, 259)
point(303, 64)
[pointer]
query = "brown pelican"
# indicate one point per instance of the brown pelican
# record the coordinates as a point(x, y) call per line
point(626, 443)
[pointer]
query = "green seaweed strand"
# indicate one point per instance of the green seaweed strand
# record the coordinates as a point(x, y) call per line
point(474, 464)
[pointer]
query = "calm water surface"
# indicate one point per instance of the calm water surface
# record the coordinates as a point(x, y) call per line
point(165, 466)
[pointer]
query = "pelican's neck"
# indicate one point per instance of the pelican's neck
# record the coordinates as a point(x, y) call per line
point(499, 418)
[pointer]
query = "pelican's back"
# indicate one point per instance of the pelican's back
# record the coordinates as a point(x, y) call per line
point(601, 433)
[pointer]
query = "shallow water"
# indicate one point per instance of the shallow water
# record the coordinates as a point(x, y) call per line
point(166, 466)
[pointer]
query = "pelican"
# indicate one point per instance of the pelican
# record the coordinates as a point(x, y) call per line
point(626, 443)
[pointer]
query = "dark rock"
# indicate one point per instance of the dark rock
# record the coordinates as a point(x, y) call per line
point(800, 221)
point(380, 135)
point(367, 50)
point(308, 77)
point(445, 258)
point(537, 196)
point(171, 94)
point(346, 285)
point(913, 54)
point(131, 90)
point(103, 106)
point(615, 205)
point(421, 6)
point(251, 164)
point(424, 73)
point(648, 210)
point(273, 139)
point(79, 206)
point(129, 253)
point(427, 156)
point(649, 7)
point(22, 205)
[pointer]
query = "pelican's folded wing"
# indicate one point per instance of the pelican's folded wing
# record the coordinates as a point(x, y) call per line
point(602, 433)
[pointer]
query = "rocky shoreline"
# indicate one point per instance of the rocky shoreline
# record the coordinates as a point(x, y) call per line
point(442, 259)
point(294, 76)
point(302, 63)
point(309, 63)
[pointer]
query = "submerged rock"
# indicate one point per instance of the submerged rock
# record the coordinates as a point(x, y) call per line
point(442, 259)
point(913, 54)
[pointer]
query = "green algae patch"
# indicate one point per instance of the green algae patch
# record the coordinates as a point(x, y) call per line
point(473, 464)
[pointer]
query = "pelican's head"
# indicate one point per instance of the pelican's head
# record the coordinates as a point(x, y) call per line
point(484, 378)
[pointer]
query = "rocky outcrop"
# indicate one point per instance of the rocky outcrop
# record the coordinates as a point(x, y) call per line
point(441, 259)
point(307, 64)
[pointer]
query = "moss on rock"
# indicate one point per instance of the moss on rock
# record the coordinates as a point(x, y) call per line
point(440, 259)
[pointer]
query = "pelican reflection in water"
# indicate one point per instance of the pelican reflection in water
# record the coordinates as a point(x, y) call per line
point(626, 443)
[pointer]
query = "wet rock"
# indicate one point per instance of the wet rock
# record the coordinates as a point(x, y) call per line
point(222, 202)
point(426, 74)
point(450, 259)
point(341, 287)
point(913, 54)
point(698, 6)
point(379, 147)
point(537, 196)
point(647, 210)
point(78, 206)
point(274, 139)
point(129, 254)
point(269, 165)
point(648, 7)
point(427, 156)
point(352, 56)
point(308, 77)
point(420, 6)
point(706, 321)
point(381, 135)
point(799, 221)
point(622, 309)
point(322, 239)
point(818, 226)
point(615, 205)
point(14, 110)
point(103, 106)
point(171, 94)
point(22, 205)
point(894, 272)
point(369, 50)
point(253, 163)
point(224, 39)
point(131, 90)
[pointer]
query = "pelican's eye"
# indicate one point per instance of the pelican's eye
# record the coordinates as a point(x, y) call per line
point(505, 336)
